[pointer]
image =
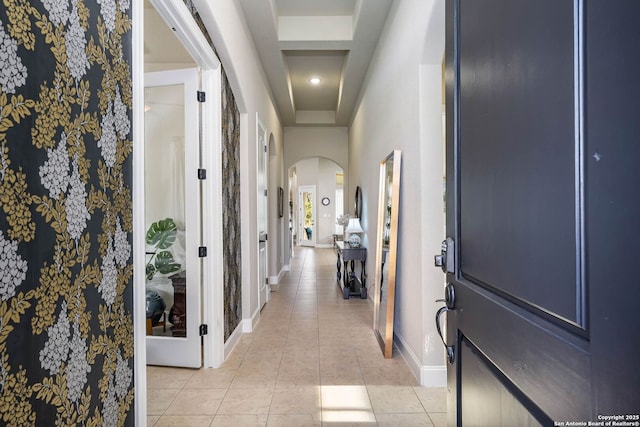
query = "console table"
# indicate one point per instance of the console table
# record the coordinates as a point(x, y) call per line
point(349, 282)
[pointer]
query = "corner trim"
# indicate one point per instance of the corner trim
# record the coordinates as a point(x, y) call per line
point(232, 341)
point(427, 376)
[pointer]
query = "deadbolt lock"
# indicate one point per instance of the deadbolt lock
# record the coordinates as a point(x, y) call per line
point(446, 258)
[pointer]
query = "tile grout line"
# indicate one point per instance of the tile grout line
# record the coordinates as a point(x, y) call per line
point(318, 342)
point(275, 384)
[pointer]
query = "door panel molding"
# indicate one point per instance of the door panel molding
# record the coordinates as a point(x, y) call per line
point(521, 210)
point(579, 150)
point(493, 389)
point(567, 324)
point(549, 364)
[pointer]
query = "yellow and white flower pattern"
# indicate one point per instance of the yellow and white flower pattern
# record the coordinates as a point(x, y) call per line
point(66, 324)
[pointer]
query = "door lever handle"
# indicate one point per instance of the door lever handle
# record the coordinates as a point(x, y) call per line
point(450, 301)
point(449, 348)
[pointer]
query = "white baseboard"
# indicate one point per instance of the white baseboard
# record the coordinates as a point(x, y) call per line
point(248, 325)
point(408, 355)
point(324, 245)
point(274, 280)
point(286, 267)
point(428, 376)
point(433, 376)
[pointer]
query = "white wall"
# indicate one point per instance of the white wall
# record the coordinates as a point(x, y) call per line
point(231, 37)
point(400, 108)
point(326, 215)
point(306, 142)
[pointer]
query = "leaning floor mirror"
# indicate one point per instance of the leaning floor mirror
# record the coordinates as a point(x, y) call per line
point(386, 247)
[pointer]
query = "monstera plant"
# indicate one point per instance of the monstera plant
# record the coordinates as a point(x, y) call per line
point(161, 236)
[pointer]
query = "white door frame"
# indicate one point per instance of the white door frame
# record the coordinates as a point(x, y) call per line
point(314, 233)
point(178, 17)
point(262, 158)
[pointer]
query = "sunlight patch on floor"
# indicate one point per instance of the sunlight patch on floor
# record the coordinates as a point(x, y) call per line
point(346, 404)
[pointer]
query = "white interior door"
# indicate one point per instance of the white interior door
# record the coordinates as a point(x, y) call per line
point(263, 214)
point(172, 190)
point(263, 287)
point(306, 215)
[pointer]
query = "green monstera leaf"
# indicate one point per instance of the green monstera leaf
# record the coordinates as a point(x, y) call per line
point(150, 271)
point(165, 264)
point(162, 233)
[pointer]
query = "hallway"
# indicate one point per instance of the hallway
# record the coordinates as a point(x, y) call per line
point(312, 360)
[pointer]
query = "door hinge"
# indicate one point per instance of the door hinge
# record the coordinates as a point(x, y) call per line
point(265, 193)
point(265, 148)
point(201, 96)
point(204, 329)
point(202, 174)
point(202, 251)
point(266, 280)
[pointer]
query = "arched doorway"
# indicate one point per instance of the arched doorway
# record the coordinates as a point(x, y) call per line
point(316, 196)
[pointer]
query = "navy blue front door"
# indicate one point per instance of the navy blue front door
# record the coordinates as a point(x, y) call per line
point(543, 168)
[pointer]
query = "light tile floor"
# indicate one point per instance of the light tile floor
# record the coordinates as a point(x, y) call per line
point(312, 361)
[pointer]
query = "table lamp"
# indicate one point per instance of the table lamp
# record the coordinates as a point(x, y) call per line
point(354, 228)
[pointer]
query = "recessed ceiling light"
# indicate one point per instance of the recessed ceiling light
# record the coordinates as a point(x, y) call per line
point(314, 81)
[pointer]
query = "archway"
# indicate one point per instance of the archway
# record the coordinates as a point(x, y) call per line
point(314, 220)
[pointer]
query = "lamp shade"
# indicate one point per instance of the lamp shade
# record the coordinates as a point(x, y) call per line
point(354, 226)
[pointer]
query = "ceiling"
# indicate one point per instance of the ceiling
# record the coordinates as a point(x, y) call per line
point(332, 40)
point(296, 40)
point(161, 46)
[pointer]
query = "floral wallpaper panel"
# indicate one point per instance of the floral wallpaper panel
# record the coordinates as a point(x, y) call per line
point(231, 217)
point(66, 301)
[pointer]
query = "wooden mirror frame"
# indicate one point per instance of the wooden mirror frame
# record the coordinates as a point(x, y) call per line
point(386, 251)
